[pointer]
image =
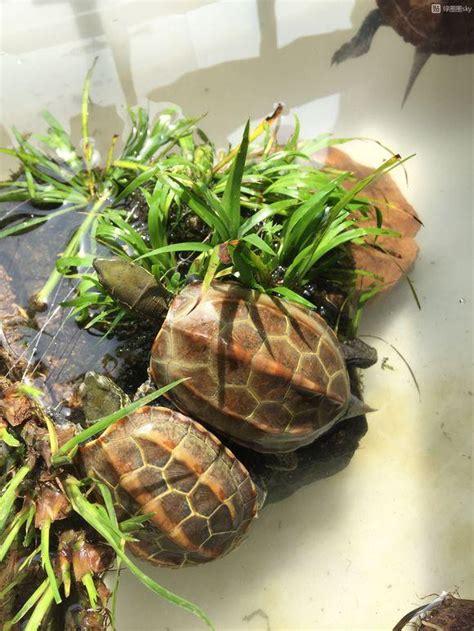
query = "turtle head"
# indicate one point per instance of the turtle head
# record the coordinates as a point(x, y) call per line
point(100, 396)
point(133, 287)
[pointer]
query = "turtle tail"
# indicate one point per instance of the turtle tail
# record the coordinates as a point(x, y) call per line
point(357, 407)
point(419, 60)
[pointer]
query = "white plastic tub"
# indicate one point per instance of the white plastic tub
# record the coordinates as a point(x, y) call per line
point(358, 549)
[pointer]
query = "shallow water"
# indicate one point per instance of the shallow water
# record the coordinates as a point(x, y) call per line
point(357, 549)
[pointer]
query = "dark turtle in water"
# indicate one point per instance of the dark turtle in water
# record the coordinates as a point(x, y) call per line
point(156, 461)
point(268, 373)
point(431, 27)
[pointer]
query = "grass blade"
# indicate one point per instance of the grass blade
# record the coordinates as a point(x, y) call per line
point(259, 243)
point(87, 147)
point(292, 296)
point(32, 600)
point(231, 197)
point(11, 534)
point(46, 560)
point(88, 511)
point(8, 497)
point(189, 246)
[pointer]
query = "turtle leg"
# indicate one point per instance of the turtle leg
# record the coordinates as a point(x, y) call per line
point(359, 354)
point(281, 461)
point(419, 60)
point(362, 40)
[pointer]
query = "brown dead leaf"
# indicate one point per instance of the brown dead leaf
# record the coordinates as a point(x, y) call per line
point(398, 215)
point(16, 409)
point(51, 504)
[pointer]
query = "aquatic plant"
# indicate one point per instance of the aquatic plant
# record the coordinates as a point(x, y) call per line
point(261, 212)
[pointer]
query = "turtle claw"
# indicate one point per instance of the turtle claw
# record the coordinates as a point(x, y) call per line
point(361, 41)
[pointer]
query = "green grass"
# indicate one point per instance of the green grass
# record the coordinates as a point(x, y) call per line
point(266, 215)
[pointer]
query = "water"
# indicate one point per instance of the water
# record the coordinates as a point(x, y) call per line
point(356, 549)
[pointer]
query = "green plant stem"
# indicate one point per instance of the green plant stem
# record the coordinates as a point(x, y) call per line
point(88, 582)
point(87, 149)
point(35, 596)
point(113, 604)
point(40, 610)
point(53, 437)
point(42, 297)
point(253, 136)
point(15, 527)
point(45, 531)
point(8, 498)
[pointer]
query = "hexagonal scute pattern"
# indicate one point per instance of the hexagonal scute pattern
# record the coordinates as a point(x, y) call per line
point(159, 461)
point(264, 371)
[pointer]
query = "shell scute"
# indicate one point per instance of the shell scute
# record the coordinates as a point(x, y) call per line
point(338, 384)
point(196, 529)
point(240, 400)
point(203, 500)
point(272, 415)
point(268, 318)
point(327, 356)
point(129, 454)
point(303, 338)
point(153, 452)
point(246, 338)
point(265, 385)
point(221, 520)
point(281, 351)
point(143, 485)
point(179, 476)
point(174, 507)
point(234, 371)
point(191, 346)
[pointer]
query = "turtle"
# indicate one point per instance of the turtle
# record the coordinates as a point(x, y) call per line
point(432, 28)
point(267, 373)
point(200, 498)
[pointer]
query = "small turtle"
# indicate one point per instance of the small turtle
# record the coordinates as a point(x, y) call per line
point(156, 461)
point(420, 23)
point(265, 372)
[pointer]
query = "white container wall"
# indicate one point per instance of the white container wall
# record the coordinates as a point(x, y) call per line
point(357, 549)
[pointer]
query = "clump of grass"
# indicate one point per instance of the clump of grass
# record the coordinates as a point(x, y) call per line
point(54, 172)
point(261, 212)
point(271, 220)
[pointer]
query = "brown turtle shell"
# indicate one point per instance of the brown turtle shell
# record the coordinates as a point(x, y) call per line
point(265, 372)
point(159, 461)
point(444, 33)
